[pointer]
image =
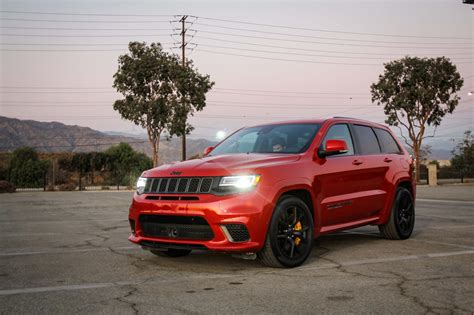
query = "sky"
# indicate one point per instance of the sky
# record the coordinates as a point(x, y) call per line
point(287, 60)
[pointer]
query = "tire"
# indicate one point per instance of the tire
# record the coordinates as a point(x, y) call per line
point(282, 247)
point(171, 252)
point(402, 217)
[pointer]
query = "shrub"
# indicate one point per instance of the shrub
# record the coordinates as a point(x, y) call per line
point(67, 187)
point(6, 187)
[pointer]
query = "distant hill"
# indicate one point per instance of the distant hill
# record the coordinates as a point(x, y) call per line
point(57, 137)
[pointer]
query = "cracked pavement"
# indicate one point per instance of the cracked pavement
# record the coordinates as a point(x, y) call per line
point(67, 252)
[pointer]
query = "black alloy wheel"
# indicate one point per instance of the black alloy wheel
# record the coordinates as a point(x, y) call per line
point(402, 219)
point(290, 234)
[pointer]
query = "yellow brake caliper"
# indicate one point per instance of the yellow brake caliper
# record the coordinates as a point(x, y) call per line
point(298, 227)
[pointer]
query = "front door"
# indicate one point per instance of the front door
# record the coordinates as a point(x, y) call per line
point(337, 186)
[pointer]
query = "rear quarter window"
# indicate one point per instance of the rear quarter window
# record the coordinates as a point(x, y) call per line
point(367, 140)
point(388, 144)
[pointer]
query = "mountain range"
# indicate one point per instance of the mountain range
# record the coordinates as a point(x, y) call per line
point(51, 137)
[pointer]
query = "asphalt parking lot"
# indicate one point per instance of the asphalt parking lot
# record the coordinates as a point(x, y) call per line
point(67, 252)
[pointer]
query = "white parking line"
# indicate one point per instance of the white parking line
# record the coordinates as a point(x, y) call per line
point(413, 239)
point(72, 251)
point(388, 259)
point(63, 288)
point(75, 287)
point(445, 201)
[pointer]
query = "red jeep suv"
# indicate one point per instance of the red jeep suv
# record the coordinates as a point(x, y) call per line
point(270, 190)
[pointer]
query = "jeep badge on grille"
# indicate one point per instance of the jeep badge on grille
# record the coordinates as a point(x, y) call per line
point(176, 173)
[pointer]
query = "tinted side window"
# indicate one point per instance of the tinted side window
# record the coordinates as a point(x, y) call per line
point(367, 139)
point(340, 132)
point(388, 144)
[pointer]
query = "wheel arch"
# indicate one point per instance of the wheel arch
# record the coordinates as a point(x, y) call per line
point(404, 182)
point(305, 192)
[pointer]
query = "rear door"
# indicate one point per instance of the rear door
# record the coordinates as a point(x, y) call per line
point(372, 183)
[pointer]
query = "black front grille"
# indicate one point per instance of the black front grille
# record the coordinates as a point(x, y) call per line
point(180, 185)
point(238, 232)
point(176, 227)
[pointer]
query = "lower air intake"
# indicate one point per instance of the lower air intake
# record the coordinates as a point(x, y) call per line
point(237, 232)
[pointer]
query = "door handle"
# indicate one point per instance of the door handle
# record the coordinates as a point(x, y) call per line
point(357, 162)
point(387, 160)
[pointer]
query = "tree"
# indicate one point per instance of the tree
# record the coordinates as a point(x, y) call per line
point(124, 164)
point(417, 93)
point(463, 156)
point(424, 154)
point(26, 170)
point(98, 163)
point(79, 162)
point(159, 93)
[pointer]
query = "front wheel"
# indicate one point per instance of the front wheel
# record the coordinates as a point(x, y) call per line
point(290, 234)
point(171, 252)
point(402, 218)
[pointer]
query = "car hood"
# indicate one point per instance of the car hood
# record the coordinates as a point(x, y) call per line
point(221, 165)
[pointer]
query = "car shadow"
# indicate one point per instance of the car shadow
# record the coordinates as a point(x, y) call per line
point(215, 262)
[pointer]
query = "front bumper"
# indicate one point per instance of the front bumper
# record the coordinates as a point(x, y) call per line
point(252, 209)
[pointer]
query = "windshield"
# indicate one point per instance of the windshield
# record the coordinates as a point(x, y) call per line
point(284, 138)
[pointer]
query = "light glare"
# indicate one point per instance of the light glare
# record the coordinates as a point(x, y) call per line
point(220, 135)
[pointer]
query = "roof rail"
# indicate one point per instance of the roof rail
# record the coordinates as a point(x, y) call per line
point(345, 117)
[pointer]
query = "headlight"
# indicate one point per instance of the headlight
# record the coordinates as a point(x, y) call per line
point(141, 183)
point(240, 181)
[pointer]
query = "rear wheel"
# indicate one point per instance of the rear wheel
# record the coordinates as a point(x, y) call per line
point(171, 252)
point(402, 218)
point(290, 234)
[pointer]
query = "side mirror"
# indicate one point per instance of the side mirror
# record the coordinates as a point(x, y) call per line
point(333, 147)
point(208, 150)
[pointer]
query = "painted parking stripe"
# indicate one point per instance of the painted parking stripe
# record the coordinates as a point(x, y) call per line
point(413, 239)
point(63, 288)
point(65, 221)
point(388, 259)
point(72, 251)
point(325, 266)
point(445, 201)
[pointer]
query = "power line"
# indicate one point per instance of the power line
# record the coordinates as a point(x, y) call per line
point(301, 61)
point(314, 50)
point(298, 54)
point(83, 21)
point(60, 50)
point(85, 14)
point(55, 35)
point(68, 50)
point(99, 44)
point(84, 29)
point(322, 37)
point(328, 31)
point(325, 43)
point(217, 102)
point(237, 42)
point(289, 96)
point(292, 60)
point(225, 89)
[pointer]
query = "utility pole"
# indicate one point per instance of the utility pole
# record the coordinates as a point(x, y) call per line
point(183, 55)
